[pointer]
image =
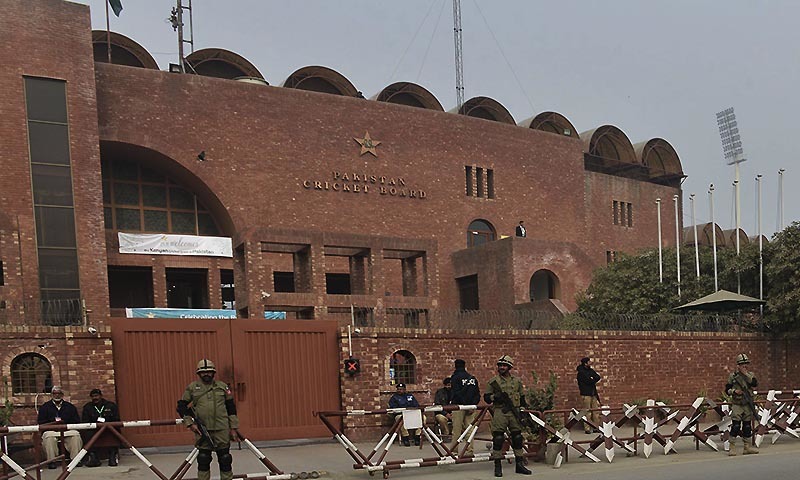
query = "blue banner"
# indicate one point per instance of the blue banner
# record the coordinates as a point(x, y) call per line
point(179, 313)
point(269, 315)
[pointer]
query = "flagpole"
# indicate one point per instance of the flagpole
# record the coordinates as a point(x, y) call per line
point(660, 265)
point(108, 33)
point(677, 243)
point(713, 233)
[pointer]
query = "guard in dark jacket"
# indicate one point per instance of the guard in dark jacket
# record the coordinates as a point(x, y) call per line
point(587, 384)
point(443, 397)
point(466, 391)
point(401, 399)
point(100, 410)
point(59, 410)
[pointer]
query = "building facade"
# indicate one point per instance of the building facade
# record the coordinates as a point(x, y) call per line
point(382, 210)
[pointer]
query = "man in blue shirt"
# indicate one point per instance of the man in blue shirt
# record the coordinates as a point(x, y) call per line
point(401, 399)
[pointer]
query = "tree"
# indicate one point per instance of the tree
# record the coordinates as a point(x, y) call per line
point(782, 280)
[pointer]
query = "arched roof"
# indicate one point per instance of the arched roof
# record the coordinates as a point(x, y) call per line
point(659, 157)
point(704, 235)
point(551, 122)
point(220, 63)
point(321, 79)
point(730, 236)
point(607, 150)
point(165, 165)
point(410, 94)
point(487, 109)
point(764, 239)
point(124, 51)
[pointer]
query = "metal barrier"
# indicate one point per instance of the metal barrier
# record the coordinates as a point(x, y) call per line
point(113, 428)
point(652, 423)
point(453, 454)
point(780, 416)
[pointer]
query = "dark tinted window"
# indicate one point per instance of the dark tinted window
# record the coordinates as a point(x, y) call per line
point(53, 185)
point(55, 227)
point(58, 268)
point(49, 143)
point(46, 99)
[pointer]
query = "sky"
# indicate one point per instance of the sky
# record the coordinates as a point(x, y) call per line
point(652, 68)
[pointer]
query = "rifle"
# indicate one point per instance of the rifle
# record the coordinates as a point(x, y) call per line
point(506, 406)
point(202, 427)
point(745, 390)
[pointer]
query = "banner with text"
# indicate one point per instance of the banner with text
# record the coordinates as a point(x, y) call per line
point(162, 244)
point(179, 313)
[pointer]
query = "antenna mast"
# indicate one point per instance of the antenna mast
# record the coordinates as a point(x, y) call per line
point(459, 54)
point(177, 24)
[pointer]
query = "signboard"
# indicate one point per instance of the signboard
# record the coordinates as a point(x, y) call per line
point(179, 313)
point(163, 244)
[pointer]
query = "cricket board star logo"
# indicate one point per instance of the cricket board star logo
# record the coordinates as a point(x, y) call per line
point(368, 145)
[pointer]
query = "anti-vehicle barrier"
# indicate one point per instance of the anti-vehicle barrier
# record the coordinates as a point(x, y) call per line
point(113, 428)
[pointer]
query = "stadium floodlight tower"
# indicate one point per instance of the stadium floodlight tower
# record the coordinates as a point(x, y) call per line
point(734, 155)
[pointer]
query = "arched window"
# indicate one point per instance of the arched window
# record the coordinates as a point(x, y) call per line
point(402, 367)
point(138, 199)
point(30, 373)
point(480, 232)
point(544, 285)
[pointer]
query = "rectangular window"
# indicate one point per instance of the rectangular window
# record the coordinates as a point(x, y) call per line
point(630, 215)
point(622, 212)
point(468, 292)
point(469, 180)
point(479, 182)
point(489, 183)
point(51, 181)
point(227, 287)
point(2, 274)
point(615, 207)
point(130, 287)
point(283, 281)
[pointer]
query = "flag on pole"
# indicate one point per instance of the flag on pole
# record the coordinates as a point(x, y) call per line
point(116, 5)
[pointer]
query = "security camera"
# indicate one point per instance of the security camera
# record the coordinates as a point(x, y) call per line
point(92, 330)
point(265, 294)
point(357, 330)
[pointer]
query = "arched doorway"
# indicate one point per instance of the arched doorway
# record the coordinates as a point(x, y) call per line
point(544, 285)
point(480, 232)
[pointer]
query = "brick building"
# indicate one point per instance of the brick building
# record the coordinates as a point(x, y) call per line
point(390, 205)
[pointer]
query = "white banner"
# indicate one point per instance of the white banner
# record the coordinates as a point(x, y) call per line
point(163, 244)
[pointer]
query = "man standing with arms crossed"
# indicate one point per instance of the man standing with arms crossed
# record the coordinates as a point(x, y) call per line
point(740, 387)
point(587, 384)
point(465, 392)
point(212, 411)
point(507, 396)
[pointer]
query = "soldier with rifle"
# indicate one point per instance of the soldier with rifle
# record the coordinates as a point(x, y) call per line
point(212, 418)
point(740, 388)
point(507, 396)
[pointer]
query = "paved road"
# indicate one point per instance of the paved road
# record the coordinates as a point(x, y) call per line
point(776, 462)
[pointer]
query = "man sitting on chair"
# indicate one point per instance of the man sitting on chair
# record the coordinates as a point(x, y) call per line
point(59, 410)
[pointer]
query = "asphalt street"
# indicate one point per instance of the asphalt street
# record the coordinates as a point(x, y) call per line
point(776, 462)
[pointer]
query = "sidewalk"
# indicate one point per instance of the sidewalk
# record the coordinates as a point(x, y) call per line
point(331, 460)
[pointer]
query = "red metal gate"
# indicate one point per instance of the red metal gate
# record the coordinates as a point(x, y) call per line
point(281, 372)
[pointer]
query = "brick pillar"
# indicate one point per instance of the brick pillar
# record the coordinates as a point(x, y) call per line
point(159, 285)
point(359, 282)
point(214, 286)
point(409, 276)
point(303, 272)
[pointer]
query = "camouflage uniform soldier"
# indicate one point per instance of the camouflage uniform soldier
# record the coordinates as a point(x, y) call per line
point(215, 412)
point(506, 394)
point(740, 387)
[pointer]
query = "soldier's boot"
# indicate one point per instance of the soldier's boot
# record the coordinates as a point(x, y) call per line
point(405, 441)
point(521, 469)
point(113, 457)
point(732, 448)
point(416, 440)
point(204, 475)
point(498, 468)
point(226, 475)
point(93, 460)
point(748, 449)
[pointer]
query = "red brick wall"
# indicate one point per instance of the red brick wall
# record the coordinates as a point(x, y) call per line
point(50, 38)
point(80, 362)
point(264, 142)
point(634, 365)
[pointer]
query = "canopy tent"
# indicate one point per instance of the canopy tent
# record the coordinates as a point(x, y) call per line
point(722, 301)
